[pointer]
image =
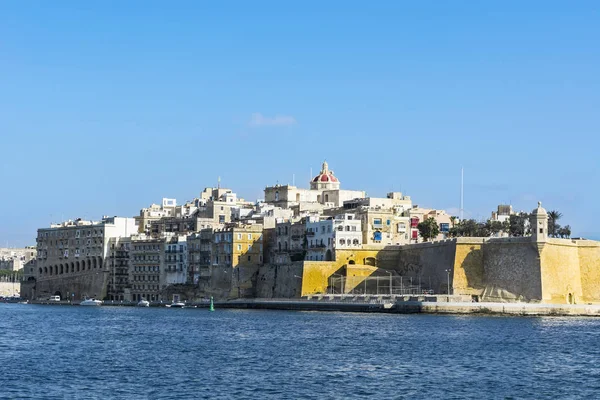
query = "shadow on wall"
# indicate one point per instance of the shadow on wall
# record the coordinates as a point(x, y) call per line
point(473, 268)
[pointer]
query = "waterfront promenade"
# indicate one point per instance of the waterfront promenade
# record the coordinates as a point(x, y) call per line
point(385, 304)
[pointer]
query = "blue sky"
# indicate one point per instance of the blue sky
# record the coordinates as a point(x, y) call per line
point(106, 107)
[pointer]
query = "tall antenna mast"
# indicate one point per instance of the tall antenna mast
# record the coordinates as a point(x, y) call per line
point(462, 192)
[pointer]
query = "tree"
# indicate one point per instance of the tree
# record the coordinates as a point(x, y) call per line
point(517, 224)
point(565, 232)
point(553, 226)
point(428, 229)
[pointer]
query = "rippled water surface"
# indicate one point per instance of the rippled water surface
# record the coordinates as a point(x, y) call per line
point(63, 352)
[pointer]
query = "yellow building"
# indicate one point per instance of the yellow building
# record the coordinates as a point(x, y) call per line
point(238, 245)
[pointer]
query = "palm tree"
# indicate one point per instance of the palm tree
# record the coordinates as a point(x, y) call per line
point(553, 226)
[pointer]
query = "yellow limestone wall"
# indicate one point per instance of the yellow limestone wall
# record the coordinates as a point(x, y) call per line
point(496, 269)
point(349, 263)
point(315, 276)
point(560, 272)
point(468, 272)
point(589, 265)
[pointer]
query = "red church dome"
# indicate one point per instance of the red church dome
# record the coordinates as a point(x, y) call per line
point(325, 176)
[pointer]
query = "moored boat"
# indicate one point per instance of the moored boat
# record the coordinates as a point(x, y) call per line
point(143, 303)
point(91, 302)
point(178, 305)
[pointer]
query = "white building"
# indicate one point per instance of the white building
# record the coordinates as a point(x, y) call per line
point(175, 261)
point(324, 236)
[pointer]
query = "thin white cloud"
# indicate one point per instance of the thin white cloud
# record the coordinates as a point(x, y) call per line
point(279, 120)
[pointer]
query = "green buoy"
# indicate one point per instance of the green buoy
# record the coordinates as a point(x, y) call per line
point(212, 305)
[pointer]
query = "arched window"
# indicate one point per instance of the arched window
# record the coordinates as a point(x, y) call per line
point(286, 245)
point(342, 242)
point(347, 228)
point(279, 244)
point(355, 242)
point(340, 228)
point(277, 195)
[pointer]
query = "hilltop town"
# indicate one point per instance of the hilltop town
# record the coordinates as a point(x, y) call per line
point(302, 242)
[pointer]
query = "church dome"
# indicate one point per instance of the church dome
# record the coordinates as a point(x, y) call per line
point(325, 176)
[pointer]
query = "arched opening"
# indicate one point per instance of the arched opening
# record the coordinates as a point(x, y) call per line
point(46, 270)
point(286, 245)
point(72, 267)
point(279, 246)
point(77, 266)
point(58, 293)
point(328, 256)
point(351, 262)
point(94, 262)
point(277, 195)
point(61, 269)
point(571, 298)
point(326, 198)
point(41, 271)
point(56, 270)
point(89, 264)
point(99, 262)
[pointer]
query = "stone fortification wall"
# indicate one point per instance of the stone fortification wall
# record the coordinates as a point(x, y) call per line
point(560, 272)
point(427, 263)
point(9, 288)
point(85, 284)
point(280, 281)
point(589, 269)
point(511, 270)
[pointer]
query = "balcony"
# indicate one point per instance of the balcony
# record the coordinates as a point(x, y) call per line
point(310, 233)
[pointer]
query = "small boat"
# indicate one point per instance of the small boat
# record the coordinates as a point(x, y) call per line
point(178, 305)
point(91, 302)
point(143, 303)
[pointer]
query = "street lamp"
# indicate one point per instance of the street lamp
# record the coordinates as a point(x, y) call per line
point(448, 276)
point(389, 272)
point(341, 283)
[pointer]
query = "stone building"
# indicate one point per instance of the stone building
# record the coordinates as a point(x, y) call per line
point(119, 286)
point(199, 246)
point(175, 261)
point(146, 256)
point(324, 192)
point(71, 256)
point(325, 235)
point(289, 242)
point(15, 259)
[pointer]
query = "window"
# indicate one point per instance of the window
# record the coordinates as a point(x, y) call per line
point(249, 236)
point(377, 236)
point(239, 236)
point(342, 242)
point(355, 242)
point(221, 219)
point(388, 222)
point(250, 247)
point(239, 247)
point(376, 221)
point(249, 258)
point(444, 227)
